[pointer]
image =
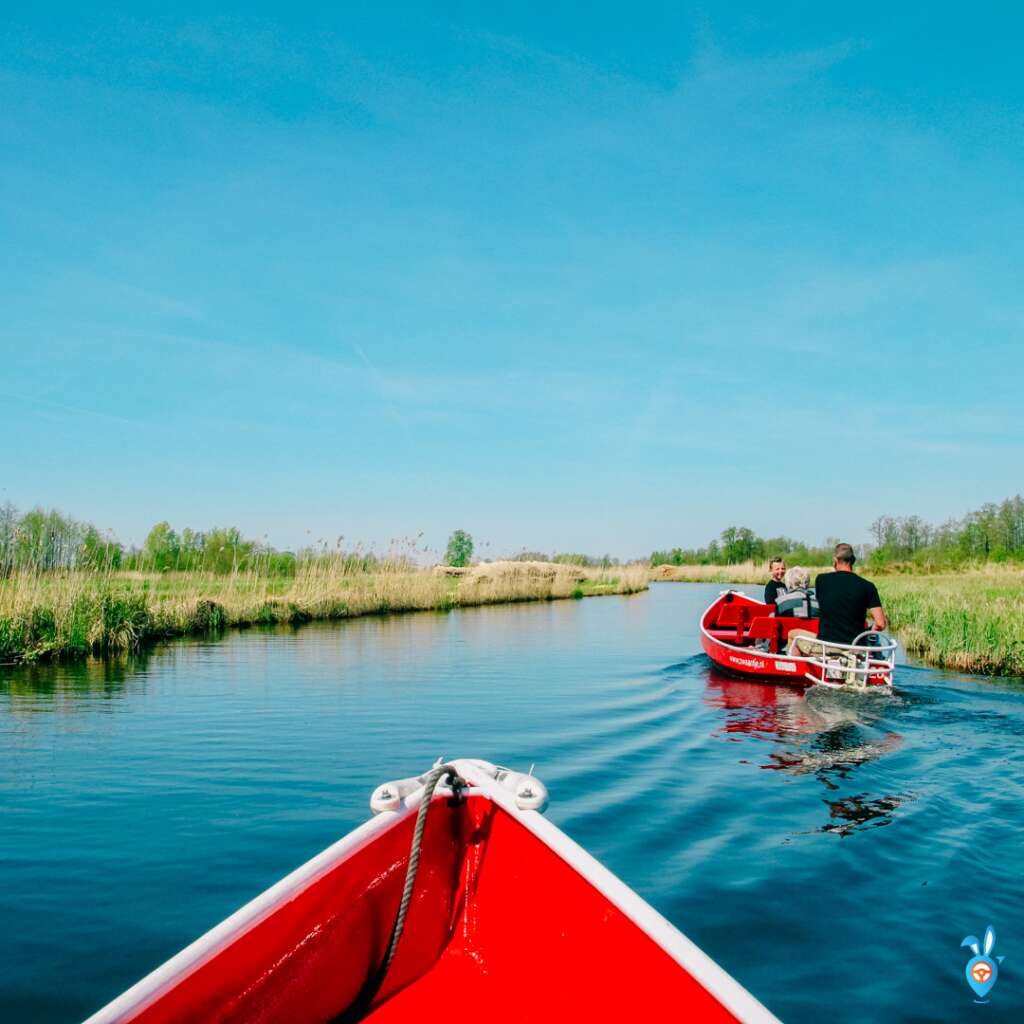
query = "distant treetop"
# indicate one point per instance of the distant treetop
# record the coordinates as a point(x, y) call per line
point(460, 549)
point(992, 533)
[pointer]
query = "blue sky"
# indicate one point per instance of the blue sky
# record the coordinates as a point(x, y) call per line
point(596, 277)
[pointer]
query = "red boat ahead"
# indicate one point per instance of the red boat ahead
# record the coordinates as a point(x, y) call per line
point(460, 902)
point(745, 637)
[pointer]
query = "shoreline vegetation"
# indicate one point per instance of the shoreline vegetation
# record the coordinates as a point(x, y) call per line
point(954, 593)
point(971, 620)
point(742, 572)
point(75, 613)
point(992, 534)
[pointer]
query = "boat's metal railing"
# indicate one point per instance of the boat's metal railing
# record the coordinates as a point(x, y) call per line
point(842, 664)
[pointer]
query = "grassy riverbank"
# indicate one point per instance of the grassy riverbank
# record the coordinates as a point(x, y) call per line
point(77, 613)
point(971, 620)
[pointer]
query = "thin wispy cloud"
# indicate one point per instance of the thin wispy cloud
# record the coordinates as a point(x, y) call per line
point(382, 264)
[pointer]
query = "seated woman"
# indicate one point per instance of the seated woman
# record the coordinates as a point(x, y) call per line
point(795, 598)
point(798, 599)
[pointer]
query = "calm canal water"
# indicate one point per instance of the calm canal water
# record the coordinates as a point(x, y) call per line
point(828, 850)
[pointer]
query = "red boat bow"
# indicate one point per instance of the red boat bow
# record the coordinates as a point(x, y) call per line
point(510, 921)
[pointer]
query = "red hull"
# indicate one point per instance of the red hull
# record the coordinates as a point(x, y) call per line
point(502, 927)
point(727, 642)
point(743, 636)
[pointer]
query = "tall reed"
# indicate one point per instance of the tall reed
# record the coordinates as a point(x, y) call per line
point(971, 621)
point(74, 613)
point(742, 572)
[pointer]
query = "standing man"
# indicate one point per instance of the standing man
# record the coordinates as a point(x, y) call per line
point(775, 586)
point(846, 600)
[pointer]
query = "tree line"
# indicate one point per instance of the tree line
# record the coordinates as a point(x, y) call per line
point(45, 540)
point(992, 533)
point(739, 544)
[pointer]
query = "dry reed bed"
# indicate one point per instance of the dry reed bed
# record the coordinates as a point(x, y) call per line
point(742, 572)
point(73, 614)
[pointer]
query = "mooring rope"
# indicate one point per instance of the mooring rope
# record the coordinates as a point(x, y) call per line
point(360, 1007)
point(456, 782)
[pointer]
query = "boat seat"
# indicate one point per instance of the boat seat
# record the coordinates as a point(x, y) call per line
point(776, 629)
point(727, 635)
point(767, 627)
point(734, 614)
point(739, 616)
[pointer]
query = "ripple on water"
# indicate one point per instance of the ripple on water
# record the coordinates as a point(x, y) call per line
point(827, 850)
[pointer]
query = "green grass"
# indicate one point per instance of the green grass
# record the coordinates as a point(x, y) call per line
point(970, 621)
point(78, 613)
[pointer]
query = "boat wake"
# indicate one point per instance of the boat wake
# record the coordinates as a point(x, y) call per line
point(685, 666)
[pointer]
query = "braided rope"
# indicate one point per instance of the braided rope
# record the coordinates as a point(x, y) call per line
point(435, 776)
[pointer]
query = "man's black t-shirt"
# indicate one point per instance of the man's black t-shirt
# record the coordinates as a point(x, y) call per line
point(844, 599)
point(773, 589)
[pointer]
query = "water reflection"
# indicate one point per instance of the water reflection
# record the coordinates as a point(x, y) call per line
point(826, 734)
point(856, 813)
point(755, 708)
point(49, 687)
